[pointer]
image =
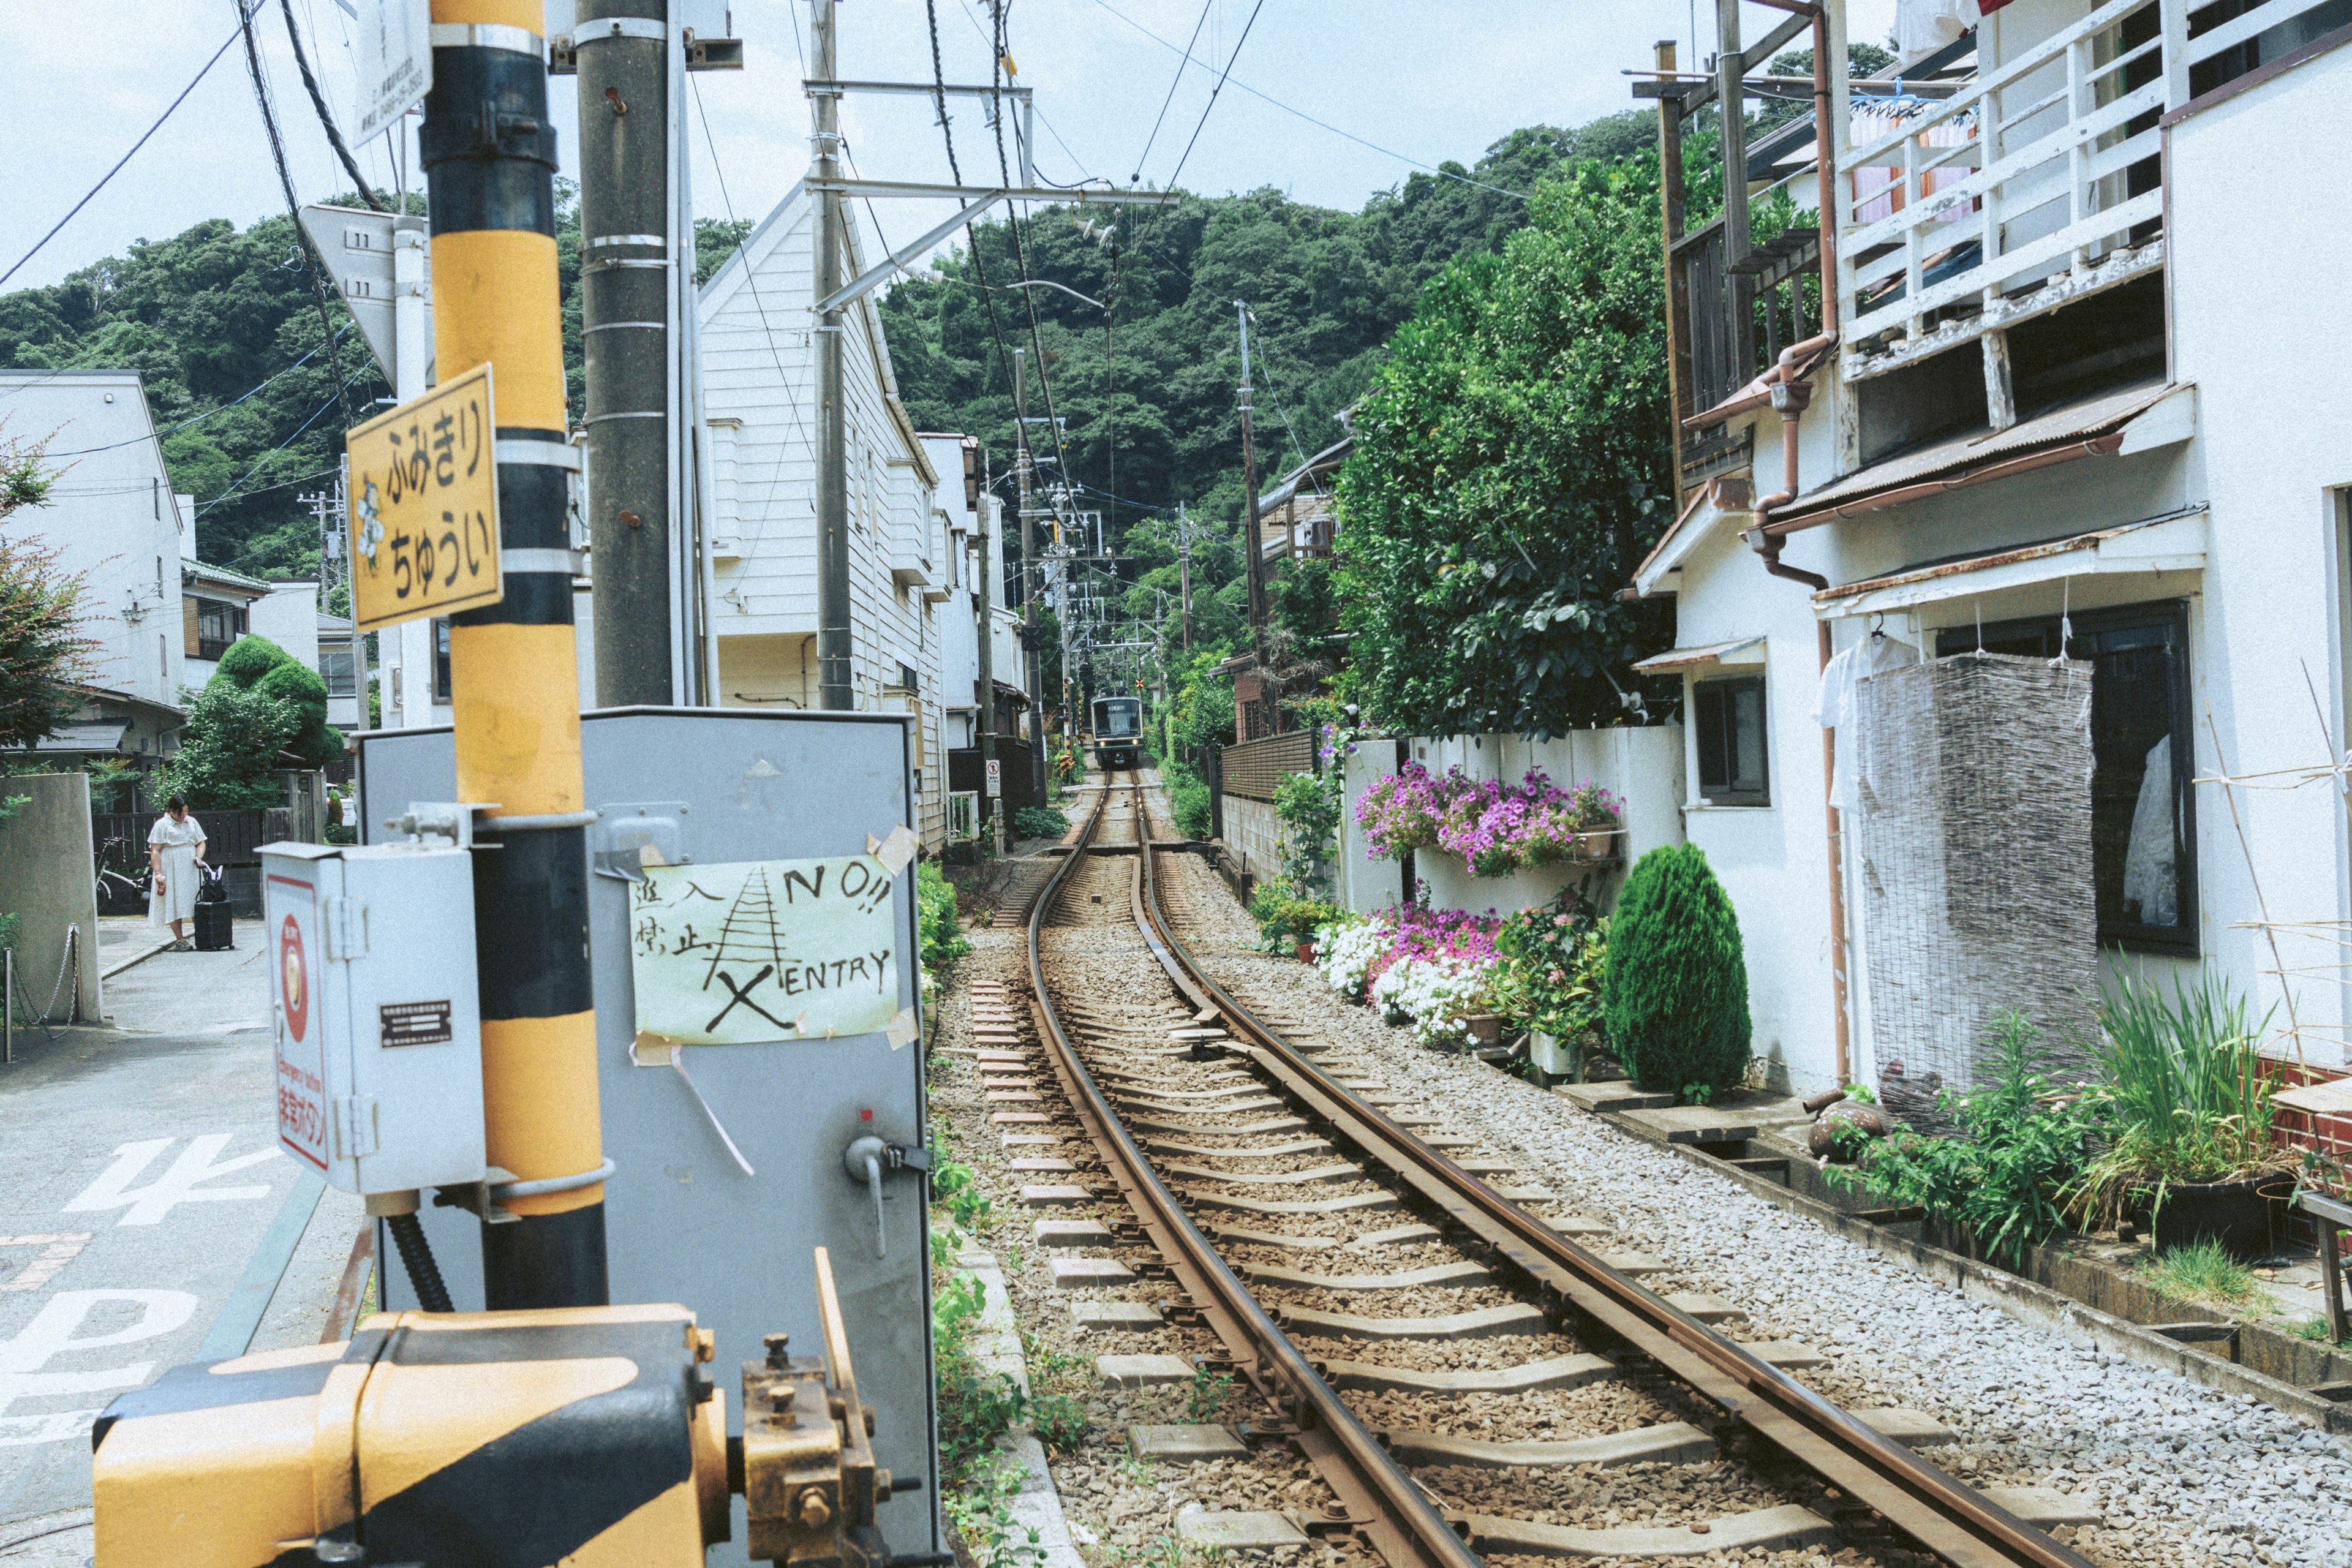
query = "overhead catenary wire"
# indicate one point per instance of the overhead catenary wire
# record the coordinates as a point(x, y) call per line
point(119, 163)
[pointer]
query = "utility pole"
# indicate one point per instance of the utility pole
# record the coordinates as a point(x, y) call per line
point(489, 163)
point(1184, 571)
point(624, 286)
point(330, 507)
point(983, 536)
point(1256, 554)
point(1030, 640)
point(835, 678)
point(1730, 69)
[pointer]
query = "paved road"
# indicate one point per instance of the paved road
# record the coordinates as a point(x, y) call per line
point(138, 1175)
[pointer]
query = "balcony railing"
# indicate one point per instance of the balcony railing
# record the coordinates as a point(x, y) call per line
point(2035, 183)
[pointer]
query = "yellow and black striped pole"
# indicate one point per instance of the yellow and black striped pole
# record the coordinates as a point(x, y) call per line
point(488, 151)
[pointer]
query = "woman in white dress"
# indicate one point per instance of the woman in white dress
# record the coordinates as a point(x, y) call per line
point(174, 845)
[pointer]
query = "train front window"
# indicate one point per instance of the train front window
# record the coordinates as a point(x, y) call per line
point(1120, 719)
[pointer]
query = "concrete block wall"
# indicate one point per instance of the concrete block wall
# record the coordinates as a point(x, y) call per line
point(1252, 839)
point(46, 880)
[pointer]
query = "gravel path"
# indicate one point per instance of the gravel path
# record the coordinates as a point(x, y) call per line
point(2185, 1476)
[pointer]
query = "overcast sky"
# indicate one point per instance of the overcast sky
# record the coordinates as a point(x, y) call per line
point(1423, 81)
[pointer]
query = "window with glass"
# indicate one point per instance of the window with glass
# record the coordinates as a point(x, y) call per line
point(1728, 718)
point(219, 625)
point(441, 661)
point(335, 668)
point(2142, 811)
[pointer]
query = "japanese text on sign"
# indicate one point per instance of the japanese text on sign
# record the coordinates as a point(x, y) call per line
point(764, 950)
point(423, 515)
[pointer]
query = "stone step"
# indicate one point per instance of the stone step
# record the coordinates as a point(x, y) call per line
point(1326, 1205)
point(1084, 1273)
point(1267, 1179)
point(1198, 1526)
point(1486, 1322)
point(1912, 1429)
point(1071, 1233)
point(1706, 1307)
point(1142, 1371)
point(1672, 1443)
point(1552, 1372)
point(1185, 1445)
point(1613, 1096)
point(1049, 1196)
point(1459, 1274)
point(1125, 1317)
point(1780, 1529)
point(1691, 1124)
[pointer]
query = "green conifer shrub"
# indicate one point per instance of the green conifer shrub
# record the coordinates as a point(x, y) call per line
point(1674, 998)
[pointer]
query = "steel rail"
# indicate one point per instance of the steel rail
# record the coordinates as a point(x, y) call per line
point(1380, 1503)
point(1944, 1516)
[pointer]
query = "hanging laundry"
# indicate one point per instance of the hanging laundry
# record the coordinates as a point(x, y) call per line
point(1923, 26)
point(2151, 878)
point(1836, 709)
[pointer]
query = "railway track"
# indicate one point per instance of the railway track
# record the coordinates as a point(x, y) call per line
point(1396, 1310)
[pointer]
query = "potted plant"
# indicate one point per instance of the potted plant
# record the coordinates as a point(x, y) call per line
point(2187, 1096)
point(1552, 963)
point(1598, 814)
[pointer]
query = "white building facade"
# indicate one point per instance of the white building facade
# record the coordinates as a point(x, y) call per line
point(760, 404)
point(2079, 403)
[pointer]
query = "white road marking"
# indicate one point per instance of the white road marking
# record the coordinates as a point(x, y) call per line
point(176, 1185)
point(54, 1331)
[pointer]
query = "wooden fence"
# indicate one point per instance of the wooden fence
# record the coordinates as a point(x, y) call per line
point(1254, 769)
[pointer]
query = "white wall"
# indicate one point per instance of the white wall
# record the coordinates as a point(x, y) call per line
point(759, 370)
point(112, 517)
point(2262, 310)
point(289, 616)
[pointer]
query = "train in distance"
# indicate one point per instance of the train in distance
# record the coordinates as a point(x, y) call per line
point(1118, 732)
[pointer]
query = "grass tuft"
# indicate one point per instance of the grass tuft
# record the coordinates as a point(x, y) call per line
point(2204, 1271)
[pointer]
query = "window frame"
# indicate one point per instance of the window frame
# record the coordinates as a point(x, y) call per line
point(332, 654)
point(439, 626)
point(1723, 688)
point(226, 612)
point(2132, 936)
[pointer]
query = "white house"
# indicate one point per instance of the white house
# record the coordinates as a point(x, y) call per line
point(2077, 400)
point(759, 401)
point(974, 518)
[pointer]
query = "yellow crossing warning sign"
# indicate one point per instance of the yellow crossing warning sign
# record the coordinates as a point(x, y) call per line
point(424, 509)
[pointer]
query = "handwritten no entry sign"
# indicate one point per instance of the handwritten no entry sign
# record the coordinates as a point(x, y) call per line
point(764, 950)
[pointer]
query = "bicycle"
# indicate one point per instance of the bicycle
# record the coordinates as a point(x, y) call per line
point(115, 889)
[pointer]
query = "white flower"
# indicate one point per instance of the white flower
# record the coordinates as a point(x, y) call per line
point(1344, 952)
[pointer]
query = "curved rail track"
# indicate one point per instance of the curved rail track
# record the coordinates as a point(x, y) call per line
point(1585, 1317)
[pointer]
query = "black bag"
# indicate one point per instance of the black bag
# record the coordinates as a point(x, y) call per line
point(208, 887)
point(214, 930)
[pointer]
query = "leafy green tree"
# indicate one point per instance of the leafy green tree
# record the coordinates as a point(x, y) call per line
point(255, 665)
point(1674, 993)
point(1510, 471)
point(229, 749)
point(42, 650)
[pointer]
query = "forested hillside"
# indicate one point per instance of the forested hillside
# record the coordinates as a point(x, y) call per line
point(224, 328)
point(1326, 288)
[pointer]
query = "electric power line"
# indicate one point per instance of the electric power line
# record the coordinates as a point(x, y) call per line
point(210, 413)
point(150, 131)
point(326, 118)
point(1320, 124)
point(1214, 92)
point(1202, 21)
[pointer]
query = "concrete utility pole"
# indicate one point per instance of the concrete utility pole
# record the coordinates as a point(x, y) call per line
point(1256, 551)
point(627, 254)
point(1730, 69)
point(979, 497)
point(489, 162)
point(1184, 571)
point(1029, 579)
point(835, 648)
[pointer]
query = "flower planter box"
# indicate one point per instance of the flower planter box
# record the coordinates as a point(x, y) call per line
point(2236, 1213)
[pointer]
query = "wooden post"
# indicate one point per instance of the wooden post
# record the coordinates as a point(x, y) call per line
point(1670, 196)
point(1739, 288)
